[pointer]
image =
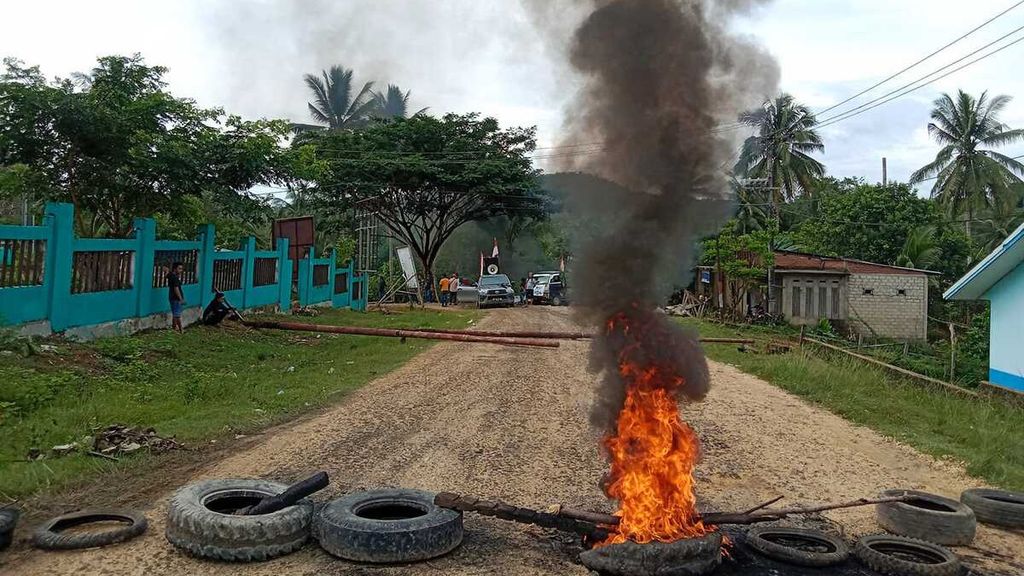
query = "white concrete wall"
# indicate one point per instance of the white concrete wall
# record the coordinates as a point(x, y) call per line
point(885, 312)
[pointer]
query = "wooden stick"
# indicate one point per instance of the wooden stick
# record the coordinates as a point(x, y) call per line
point(763, 505)
point(733, 517)
point(102, 455)
point(533, 342)
point(903, 371)
point(504, 511)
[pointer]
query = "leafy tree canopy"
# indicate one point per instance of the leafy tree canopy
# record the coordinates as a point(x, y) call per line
point(872, 222)
point(117, 145)
point(424, 176)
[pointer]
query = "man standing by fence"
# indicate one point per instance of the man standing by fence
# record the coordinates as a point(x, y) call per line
point(175, 295)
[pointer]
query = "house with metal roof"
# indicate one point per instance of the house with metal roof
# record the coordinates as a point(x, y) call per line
point(999, 278)
point(871, 299)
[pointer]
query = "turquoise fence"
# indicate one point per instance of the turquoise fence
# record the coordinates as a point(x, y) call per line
point(47, 274)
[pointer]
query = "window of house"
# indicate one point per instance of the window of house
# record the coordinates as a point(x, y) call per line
point(822, 299)
point(869, 291)
point(809, 301)
point(796, 301)
point(901, 292)
point(835, 300)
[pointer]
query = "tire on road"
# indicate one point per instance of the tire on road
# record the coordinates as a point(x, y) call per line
point(52, 535)
point(899, 556)
point(927, 517)
point(8, 520)
point(997, 507)
point(798, 546)
point(200, 521)
point(385, 526)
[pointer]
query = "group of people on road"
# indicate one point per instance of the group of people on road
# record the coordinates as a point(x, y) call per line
point(449, 290)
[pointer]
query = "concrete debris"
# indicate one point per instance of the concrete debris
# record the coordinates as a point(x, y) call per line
point(121, 439)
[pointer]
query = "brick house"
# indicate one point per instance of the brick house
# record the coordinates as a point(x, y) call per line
point(875, 300)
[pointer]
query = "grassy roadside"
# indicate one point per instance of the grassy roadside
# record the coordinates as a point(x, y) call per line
point(200, 386)
point(986, 435)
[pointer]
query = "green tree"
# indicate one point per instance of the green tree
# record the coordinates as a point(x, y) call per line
point(920, 249)
point(779, 153)
point(998, 221)
point(968, 174)
point(392, 103)
point(118, 146)
point(335, 105)
point(424, 177)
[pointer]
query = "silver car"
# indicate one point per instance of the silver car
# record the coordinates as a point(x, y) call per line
point(495, 290)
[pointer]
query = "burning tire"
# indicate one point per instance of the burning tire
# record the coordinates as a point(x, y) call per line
point(928, 517)
point(51, 536)
point(798, 546)
point(200, 521)
point(897, 556)
point(997, 507)
point(384, 526)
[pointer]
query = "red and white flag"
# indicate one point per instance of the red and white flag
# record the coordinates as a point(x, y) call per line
point(494, 253)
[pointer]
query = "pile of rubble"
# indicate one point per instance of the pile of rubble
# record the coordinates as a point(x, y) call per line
point(120, 439)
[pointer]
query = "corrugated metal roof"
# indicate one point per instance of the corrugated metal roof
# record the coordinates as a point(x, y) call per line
point(801, 261)
point(991, 270)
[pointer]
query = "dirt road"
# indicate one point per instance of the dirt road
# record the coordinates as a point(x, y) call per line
point(511, 424)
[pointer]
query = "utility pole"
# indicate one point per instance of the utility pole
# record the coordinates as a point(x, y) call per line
point(885, 173)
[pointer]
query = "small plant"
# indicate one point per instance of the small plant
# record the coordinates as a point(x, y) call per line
point(10, 341)
point(122, 349)
point(825, 328)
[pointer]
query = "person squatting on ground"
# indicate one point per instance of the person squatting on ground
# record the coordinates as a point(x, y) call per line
point(218, 310)
point(175, 295)
point(453, 289)
point(443, 292)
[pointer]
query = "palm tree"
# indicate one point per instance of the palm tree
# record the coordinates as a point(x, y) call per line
point(393, 103)
point(968, 176)
point(779, 153)
point(751, 206)
point(334, 104)
point(920, 249)
point(998, 221)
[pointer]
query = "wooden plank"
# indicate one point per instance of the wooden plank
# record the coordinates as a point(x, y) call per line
point(897, 369)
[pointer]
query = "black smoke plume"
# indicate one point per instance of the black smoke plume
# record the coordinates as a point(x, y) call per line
point(660, 78)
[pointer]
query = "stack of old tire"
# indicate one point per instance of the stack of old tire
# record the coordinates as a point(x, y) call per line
point(926, 523)
point(382, 526)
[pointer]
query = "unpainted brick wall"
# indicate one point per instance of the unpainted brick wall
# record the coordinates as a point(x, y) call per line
point(886, 313)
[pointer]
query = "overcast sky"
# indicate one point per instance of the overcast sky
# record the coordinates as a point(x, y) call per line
point(248, 56)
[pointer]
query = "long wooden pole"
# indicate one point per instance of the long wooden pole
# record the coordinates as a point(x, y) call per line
point(717, 518)
point(390, 333)
point(903, 371)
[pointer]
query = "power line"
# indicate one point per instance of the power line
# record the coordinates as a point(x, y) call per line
point(901, 91)
point(922, 60)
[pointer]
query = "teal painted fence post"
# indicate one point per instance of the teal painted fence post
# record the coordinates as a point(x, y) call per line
point(61, 220)
point(145, 234)
point(248, 264)
point(284, 276)
point(207, 246)
point(306, 278)
point(333, 276)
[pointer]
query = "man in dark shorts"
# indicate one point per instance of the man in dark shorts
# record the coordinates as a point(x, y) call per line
point(175, 295)
point(218, 310)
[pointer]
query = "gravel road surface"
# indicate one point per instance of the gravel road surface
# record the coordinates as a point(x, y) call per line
point(512, 424)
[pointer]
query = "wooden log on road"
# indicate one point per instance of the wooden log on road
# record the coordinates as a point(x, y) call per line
point(392, 333)
point(716, 518)
point(510, 334)
point(511, 513)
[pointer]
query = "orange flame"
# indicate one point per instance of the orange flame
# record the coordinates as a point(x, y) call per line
point(653, 454)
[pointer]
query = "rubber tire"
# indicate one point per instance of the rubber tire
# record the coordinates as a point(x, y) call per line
point(956, 528)
point(776, 551)
point(344, 534)
point(203, 533)
point(8, 520)
point(50, 536)
point(998, 512)
point(893, 566)
point(556, 301)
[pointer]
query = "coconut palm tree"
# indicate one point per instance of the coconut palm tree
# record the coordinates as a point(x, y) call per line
point(335, 106)
point(999, 220)
point(920, 249)
point(393, 103)
point(779, 153)
point(968, 174)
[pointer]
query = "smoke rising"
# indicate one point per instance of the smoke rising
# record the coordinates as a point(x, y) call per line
point(659, 76)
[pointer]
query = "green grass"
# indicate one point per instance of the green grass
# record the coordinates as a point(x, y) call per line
point(986, 435)
point(205, 384)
